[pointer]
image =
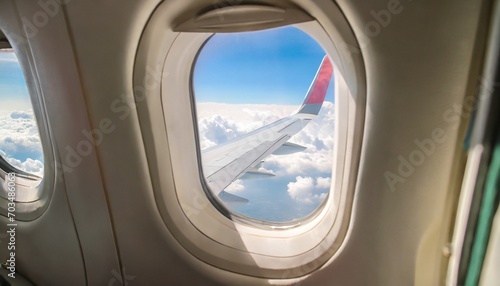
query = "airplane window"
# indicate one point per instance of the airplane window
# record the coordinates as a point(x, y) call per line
point(20, 145)
point(265, 110)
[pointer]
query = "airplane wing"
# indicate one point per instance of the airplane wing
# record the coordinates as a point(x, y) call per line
point(241, 156)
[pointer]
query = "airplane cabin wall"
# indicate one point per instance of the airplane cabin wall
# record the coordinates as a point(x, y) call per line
point(104, 219)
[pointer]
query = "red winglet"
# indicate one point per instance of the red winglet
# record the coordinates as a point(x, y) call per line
point(317, 91)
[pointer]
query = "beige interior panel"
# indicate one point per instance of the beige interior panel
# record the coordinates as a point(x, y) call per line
point(103, 223)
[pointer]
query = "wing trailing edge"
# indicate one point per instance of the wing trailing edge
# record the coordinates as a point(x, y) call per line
point(232, 199)
point(289, 148)
point(253, 174)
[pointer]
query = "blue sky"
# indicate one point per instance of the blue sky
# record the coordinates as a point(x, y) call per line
point(245, 80)
point(286, 60)
point(12, 82)
point(269, 199)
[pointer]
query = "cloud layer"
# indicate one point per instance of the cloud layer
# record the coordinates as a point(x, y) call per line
point(312, 167)
point(20, 142)
point(309, 190)
point(235, 187)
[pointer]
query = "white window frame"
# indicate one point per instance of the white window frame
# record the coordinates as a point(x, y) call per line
point(33, 194)
point(167, 118)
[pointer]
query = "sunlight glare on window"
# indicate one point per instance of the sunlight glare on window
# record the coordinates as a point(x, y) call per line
point(245, 81)
point(20, 144)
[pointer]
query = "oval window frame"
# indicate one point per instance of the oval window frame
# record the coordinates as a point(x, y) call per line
point(172, 151)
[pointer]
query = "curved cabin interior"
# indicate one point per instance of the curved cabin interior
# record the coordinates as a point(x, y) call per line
point(235, 142)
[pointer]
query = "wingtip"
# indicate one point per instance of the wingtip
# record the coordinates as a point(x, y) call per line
point(317, 91)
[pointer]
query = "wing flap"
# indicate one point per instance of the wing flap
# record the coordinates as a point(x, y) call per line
point(232, 199)
point(289, 148)
point(224, 176)
point(256, 174)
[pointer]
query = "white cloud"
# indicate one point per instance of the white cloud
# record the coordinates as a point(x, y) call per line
point(20, 142)
point(258, 117)
point(7, 57)
point(301, 163)
point(21, 115)
point(220, 122)
point(30, 165)
point(301, 189)
point(235, 187)
point(246, 117)
point(305, 190)
point(215, 130)
point(323, 183)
